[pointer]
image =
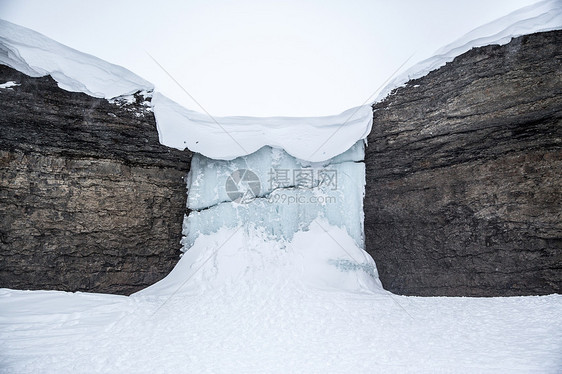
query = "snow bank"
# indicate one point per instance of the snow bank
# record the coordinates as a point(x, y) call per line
point(37, 55)
point(539, 17)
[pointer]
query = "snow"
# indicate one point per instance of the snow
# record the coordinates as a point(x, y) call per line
point(240, 303)
point(9, 84)
point(36, 55)
point(245, 253)
point(322, 138)
point(539, 17)
point(317, 139)
point(225, 138)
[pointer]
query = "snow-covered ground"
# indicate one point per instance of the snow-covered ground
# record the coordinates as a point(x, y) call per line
point(237, 303)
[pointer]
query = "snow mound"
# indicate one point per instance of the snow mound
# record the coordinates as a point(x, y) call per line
point(324, 256)
point(540, 17)
point(312, 139)
point(37, 55)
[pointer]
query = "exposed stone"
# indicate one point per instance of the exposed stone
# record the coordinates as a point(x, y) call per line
point(89, 199)
point(464, 166)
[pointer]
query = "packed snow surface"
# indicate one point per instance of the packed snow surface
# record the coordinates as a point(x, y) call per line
point(239, 303)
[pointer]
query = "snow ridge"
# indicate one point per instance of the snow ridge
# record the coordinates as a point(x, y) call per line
point(540, 17)
point(37, 55)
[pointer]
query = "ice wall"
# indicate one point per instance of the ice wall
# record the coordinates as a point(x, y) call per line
point(276, 193)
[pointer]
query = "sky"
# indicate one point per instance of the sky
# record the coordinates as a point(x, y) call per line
point(260, 58)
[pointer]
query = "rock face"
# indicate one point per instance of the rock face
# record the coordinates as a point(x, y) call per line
point(464, 166)
point(89, 199)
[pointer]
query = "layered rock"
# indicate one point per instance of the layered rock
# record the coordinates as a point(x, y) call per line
point(464, 166)
point(89, 199)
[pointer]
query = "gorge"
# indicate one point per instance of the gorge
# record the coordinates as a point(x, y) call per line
point(462, 194)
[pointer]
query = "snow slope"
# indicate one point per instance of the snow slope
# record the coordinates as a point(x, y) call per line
point(238, 303)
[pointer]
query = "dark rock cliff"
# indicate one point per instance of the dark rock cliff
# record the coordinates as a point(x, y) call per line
point(89, 199)
point(464, 166)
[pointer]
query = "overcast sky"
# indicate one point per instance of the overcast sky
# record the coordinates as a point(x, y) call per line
point(260, 58)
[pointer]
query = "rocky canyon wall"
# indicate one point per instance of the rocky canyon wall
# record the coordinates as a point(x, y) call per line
point(89, 199)
point(463, 193)
point(464, 166)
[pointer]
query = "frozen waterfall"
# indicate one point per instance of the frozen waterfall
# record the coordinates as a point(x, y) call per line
point(272, 191)
point(271, 218)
